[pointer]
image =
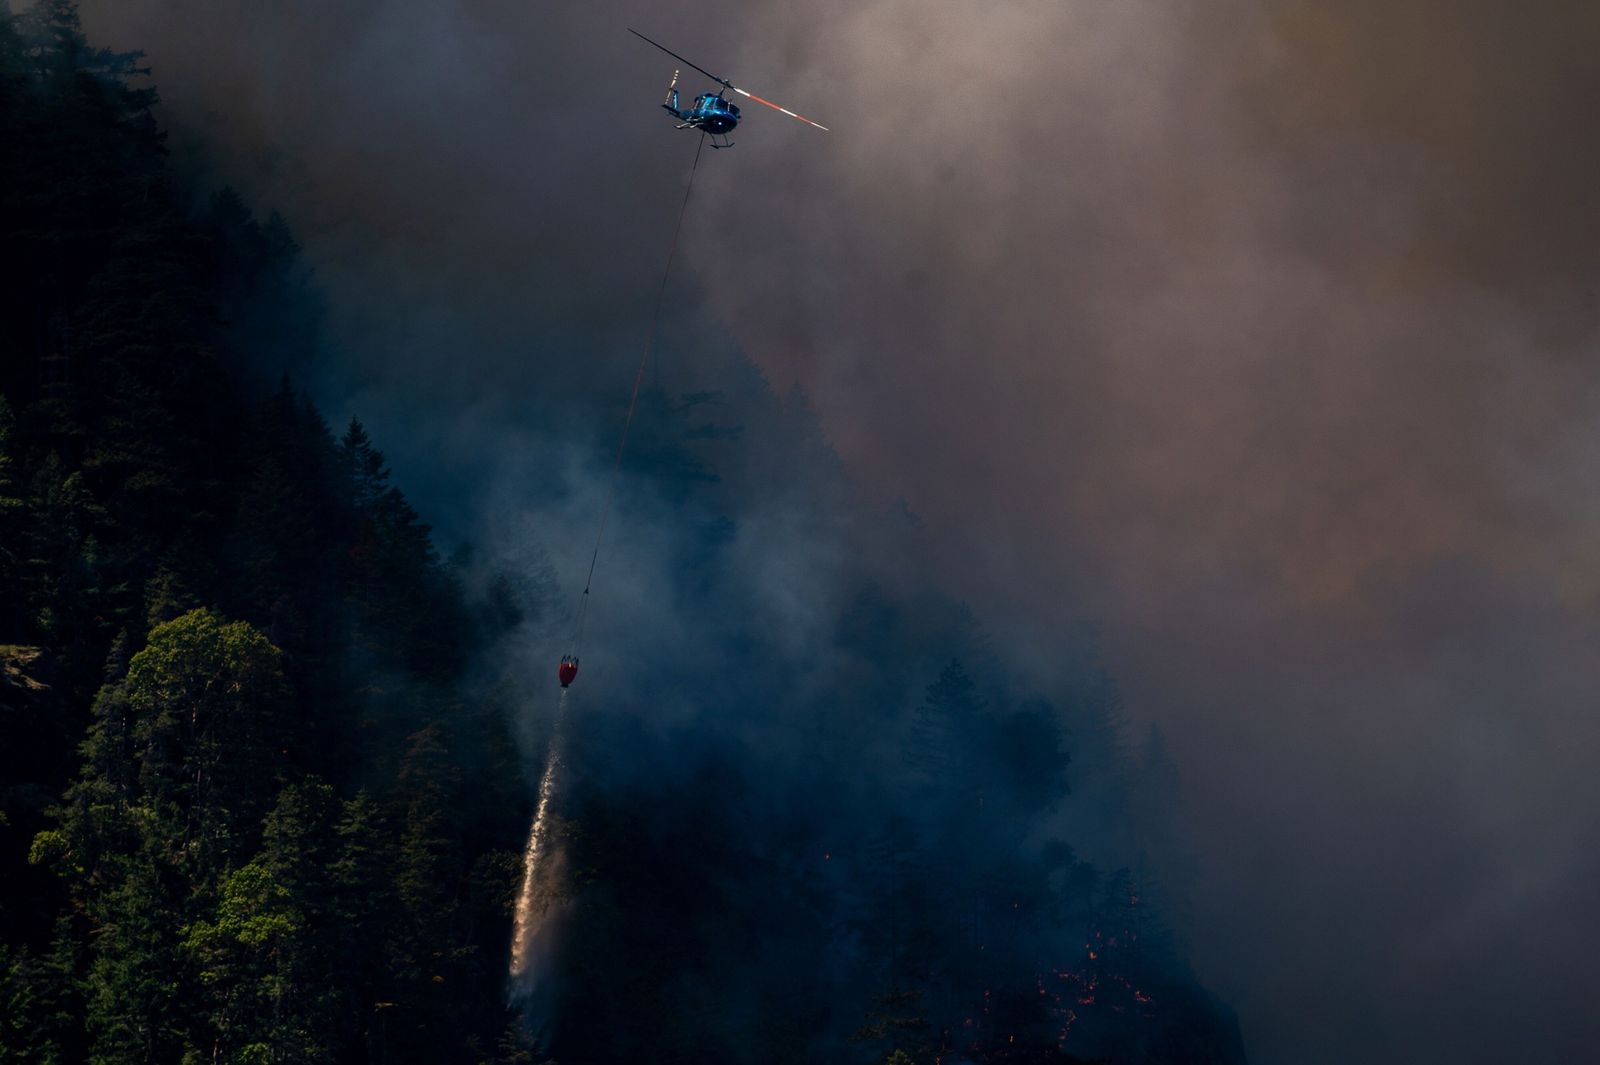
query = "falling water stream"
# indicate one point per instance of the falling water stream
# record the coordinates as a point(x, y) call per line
point(540, 867)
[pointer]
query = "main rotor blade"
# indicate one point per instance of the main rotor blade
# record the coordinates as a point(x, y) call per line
point(679, 58)
point(775, 107)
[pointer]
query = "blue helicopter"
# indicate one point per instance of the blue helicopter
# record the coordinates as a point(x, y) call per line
point(711, 113)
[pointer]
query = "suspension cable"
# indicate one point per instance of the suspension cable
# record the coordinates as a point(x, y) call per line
point(633, 400)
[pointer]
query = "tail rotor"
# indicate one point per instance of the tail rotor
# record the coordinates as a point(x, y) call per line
point(671, 103)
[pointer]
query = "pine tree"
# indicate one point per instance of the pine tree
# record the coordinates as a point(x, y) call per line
point(258, 958)
point(138, 987)
point(362, 906)
point(12, 515)
point(897, 1027)
point(938, 749)
point(41, 1005)
point(425, 955)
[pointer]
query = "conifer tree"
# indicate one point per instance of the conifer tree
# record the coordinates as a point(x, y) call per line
point(12, 514)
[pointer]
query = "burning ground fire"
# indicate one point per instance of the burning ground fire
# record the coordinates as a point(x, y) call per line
point(1069, 1005)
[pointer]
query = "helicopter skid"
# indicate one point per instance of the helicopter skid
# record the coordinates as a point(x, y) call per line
point(724, 142)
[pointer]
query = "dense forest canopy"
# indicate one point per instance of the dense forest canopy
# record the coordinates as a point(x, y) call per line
point(270, 759)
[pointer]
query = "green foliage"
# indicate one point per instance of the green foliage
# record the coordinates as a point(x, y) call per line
point(41, 1012)
point(253, 959)
point(205, 699)
point(255, 914)
point(231, 656)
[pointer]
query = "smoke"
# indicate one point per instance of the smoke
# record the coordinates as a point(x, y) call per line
point(1256, 334)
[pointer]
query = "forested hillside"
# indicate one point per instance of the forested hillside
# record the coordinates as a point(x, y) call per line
point(261, 795)
point(234, 822)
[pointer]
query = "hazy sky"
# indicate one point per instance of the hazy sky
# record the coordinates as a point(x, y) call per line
point(1260, 333)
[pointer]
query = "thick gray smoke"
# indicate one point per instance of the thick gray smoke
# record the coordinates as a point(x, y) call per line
point(1258, 333)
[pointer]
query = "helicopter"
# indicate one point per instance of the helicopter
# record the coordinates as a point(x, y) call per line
point(712, 113)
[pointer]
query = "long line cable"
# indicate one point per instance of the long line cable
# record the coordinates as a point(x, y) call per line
point(633, 400)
